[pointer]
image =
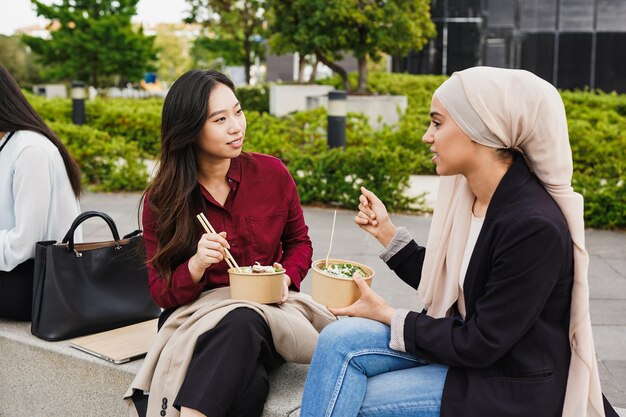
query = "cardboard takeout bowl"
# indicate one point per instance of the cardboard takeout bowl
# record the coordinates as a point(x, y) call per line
point(334, 291)
point(264, 288)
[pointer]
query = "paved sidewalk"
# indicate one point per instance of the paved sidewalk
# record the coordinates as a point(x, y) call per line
point(607, 275)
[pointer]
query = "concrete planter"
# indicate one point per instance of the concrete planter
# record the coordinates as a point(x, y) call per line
point(287, 98)
point(380, 109)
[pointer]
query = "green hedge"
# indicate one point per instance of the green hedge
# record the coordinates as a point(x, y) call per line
point(333, 176)
point(254, 98)
point(597, 130)
point(136, 120)
point(130, 129)
point(107, 162)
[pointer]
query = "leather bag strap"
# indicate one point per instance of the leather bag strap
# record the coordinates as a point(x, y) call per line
point(69, 237)
point(6, 141)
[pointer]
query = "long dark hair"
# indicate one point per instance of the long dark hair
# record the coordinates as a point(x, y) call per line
point(173, 194)
point(16, 113)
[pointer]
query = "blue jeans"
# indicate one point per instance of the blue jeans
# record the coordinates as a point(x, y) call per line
point(355, 373)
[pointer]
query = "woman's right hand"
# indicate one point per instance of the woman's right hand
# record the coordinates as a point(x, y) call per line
point(373, 217)
point(210, 251)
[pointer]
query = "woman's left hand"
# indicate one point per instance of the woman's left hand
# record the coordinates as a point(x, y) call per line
point(369, 306)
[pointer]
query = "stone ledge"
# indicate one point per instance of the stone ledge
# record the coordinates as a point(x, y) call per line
point(52, 379)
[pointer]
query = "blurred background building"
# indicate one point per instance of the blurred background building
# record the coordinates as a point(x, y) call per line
point(571, 43)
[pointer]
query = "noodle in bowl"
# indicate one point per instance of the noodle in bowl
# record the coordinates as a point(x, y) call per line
point(264, 286)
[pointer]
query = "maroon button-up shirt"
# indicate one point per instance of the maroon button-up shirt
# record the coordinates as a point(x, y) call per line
point(264, 223)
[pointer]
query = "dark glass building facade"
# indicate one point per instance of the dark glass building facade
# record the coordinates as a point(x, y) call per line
point(571, 43)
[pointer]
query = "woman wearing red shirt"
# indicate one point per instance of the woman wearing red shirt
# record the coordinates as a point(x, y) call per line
point(252, 200)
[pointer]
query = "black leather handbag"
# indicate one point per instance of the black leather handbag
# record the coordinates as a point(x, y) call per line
point(84, 288)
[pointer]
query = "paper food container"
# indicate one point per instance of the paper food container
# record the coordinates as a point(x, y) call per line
point(264, 288)
point(333, 291)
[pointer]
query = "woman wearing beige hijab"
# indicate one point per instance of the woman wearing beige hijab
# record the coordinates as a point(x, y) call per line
point(505, 329)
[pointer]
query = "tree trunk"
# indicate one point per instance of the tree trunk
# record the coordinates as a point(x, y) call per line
point(336, 68)
point(301, 65)
point(248, 59)
point(247, 45)
point(314, 71)
point(362, 87)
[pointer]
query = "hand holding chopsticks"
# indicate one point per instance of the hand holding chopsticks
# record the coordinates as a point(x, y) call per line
point(209, 229)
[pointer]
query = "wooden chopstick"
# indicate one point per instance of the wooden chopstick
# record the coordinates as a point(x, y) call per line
point(332, 234)
point(230, 260)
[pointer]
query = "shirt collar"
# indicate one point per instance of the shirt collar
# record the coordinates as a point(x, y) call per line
point(234, 172)
point(518, 174)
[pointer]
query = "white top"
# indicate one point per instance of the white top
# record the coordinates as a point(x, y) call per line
point(36, 198)
point(472, 237)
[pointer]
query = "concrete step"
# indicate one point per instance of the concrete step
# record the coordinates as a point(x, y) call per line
point(620, 411)
point(52, 379)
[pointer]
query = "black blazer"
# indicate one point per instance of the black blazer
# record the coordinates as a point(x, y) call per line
point(511, 355)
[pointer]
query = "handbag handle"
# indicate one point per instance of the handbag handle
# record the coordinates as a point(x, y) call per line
point(69, 237)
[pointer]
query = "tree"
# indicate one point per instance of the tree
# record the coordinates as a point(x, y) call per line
point(367, 28)
point(19, 61)
point(173, 52)
point(93, 40)
point(214, 52)
point(240, 21)
point(284, 18)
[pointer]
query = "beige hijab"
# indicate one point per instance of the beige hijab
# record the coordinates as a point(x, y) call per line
point(504, 108)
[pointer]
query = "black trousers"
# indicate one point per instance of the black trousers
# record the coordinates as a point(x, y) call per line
point(16, 292)
point(228, 373)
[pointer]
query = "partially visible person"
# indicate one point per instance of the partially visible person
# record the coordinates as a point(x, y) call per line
point(212, 355)
point(39, 191)
point(503, 276)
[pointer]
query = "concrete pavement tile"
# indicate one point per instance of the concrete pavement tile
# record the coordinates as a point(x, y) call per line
point(613, 380)
point(610, 342)
point(617, 264)
point(605, 279)
point(605, 243)
point(608, 312)
point(122, 207)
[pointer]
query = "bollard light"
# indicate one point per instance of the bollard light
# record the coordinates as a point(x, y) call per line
point(337, 110)
point(78, 102)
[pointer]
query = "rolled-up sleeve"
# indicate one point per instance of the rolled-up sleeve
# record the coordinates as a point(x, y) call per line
point(400, 239)
point(182, 288)
point(397, 330)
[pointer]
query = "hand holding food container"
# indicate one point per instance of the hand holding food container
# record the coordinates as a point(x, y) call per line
point(333, 279)
point(333, 283)
point(369, 304)
point(257, 283)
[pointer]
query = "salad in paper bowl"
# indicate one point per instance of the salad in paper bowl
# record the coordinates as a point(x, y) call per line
point(333, 282)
